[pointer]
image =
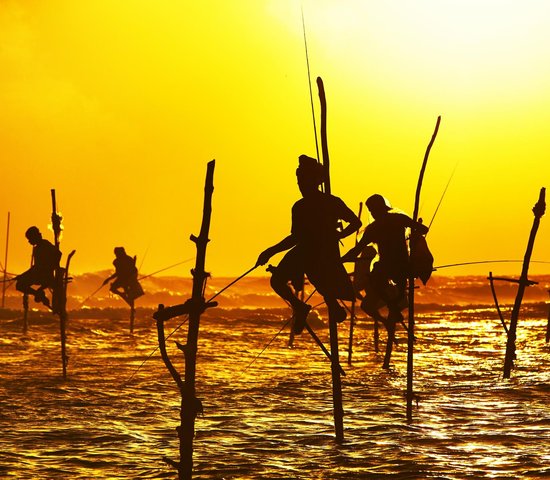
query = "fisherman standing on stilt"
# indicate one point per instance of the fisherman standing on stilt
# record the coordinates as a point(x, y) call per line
point(388, 277)
point(45, 259)
point(126, 282)
point(313, 246)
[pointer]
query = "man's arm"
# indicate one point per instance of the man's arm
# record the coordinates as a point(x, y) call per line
point(352, 254)
point(353, 223)
point(284, 244)
point(417, 228)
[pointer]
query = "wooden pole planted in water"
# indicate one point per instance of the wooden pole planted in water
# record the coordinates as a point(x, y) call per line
point(548, 324)
point(410, 337)
point(6, 262)
point(538, 211)
point(61, 281)
point(190, 404)
point(132, 315)
point(25, 313)
point(352, 319)
point(338, 409)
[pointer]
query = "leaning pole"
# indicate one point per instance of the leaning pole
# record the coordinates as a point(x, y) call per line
point(538, 211)
point(410, 337)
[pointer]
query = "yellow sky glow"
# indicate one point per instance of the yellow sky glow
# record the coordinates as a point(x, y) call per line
point(120, 105)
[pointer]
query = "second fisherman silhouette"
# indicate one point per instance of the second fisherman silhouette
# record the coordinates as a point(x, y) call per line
point(126, 282)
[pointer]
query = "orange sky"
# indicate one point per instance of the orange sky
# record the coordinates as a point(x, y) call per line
point(120, 105)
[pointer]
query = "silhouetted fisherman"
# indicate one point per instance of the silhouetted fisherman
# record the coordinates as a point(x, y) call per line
point(388, 277)
point(314, 247)
point(126, 282)
point(45, 259)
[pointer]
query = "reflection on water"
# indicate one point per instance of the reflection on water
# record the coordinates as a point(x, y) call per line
point(273, 420)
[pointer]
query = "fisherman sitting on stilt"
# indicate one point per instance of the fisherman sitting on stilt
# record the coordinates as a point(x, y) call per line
point(126, 282)
point(314, 247)
point(45, 259)
point(388, 277)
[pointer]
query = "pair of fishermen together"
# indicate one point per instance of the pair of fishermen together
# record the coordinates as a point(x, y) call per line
point(45, 261)
point(313, 246)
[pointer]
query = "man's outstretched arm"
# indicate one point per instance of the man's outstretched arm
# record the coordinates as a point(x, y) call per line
point(285, 244)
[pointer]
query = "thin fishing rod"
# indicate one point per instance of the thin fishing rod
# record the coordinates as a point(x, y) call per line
point(166, 268)
point(91, 295)
point(182, 323)
point(143, 257)
point(485, 261)
point(277, 334)
point(266, 346)
point(443, 195)
point(154, 351)
point(232, 283)
point(309, 83)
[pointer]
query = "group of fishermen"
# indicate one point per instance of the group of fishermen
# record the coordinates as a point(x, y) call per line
point(45, 261)
point(313, 251)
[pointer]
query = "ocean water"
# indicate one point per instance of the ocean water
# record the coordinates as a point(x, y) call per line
point(269, 415)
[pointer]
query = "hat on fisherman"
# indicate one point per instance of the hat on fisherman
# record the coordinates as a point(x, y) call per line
point(309, 168)
point(377, 202)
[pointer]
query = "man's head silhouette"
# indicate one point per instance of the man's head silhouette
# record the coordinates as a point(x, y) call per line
point(310, 173)
point(377, 205)
point(33, 235)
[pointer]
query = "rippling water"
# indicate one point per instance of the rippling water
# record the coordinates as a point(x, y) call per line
point(273, 420)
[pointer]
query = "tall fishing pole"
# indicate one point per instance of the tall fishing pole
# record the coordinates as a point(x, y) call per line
point(309, 84)
point(443, 195)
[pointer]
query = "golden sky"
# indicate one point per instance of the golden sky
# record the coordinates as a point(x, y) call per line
point(119, 105)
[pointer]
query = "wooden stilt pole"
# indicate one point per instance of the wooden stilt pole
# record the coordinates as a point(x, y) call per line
point(4, 286)
point(389, 344)
point(25, 313)
point(538, 211)
point(132, 315)
point(376, 334)
point(410, 337)
point(351, 329)
point(61, 280)
point(548, 324)
point(338, 408)
point(190, 404)
point(353, 303)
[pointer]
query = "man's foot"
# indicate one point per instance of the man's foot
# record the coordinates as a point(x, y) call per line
point(40, 296)
point(300, 316)
point(337, 313)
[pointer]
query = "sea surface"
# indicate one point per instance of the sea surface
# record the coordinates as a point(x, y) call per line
point(268, 413)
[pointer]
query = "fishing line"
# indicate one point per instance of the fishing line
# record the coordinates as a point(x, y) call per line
point(140, 278)
point(91, 295)
point(181, 324)
point(266, 346)
point(154, 351)
point(166, 268)
point(276, 335)
point(309, 83)
point(232, 283)
point(443, 195)
point(485, 261)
